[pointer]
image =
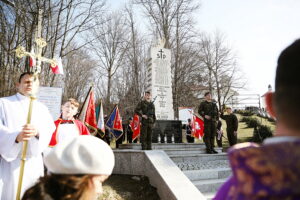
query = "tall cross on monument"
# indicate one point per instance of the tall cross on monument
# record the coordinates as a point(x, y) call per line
point(21, 52)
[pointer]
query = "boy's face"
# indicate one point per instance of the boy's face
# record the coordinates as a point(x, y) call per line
point(68, 111)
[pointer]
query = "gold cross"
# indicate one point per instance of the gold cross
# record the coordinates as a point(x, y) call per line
point(40, 44)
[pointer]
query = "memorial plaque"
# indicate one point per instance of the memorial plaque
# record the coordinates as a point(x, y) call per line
point(159, 82)
point(51, 97)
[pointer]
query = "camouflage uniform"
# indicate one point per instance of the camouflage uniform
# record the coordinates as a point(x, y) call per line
point(210, 109)
point(232, 125)
point(146, 108)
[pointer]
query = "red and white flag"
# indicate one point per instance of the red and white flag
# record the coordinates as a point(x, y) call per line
point(135, 126)
point(32, 60)
point(58, 69)
point(197, 127)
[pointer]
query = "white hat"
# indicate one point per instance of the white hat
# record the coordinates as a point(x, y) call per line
point(84, 154)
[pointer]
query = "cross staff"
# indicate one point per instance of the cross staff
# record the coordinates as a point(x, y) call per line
point(21, 52)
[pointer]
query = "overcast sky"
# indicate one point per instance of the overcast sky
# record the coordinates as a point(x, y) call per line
point(257, 30)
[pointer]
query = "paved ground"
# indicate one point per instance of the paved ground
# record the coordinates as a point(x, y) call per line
point(127, 187)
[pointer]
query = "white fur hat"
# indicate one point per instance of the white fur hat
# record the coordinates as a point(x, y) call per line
point(84, 154)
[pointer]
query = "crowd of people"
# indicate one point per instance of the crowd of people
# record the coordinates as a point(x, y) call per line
point(76, 171)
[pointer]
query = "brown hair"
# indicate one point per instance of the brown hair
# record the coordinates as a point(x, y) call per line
point(59, 187)
point(25, 73)
point(73, 101)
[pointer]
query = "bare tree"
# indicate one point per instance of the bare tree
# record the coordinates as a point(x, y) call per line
point(64, 22)
point(220, 63)
point(79, 69)
point(109, 47)
point(172, 20)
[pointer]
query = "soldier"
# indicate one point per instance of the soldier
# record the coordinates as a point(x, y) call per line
point(146, 110)
point(209, 111)
point(232, 126)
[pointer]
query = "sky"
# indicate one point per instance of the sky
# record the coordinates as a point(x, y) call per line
point(256, 30)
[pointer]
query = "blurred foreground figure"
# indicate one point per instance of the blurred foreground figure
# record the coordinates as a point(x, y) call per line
point(77, 167)
point(272, 170)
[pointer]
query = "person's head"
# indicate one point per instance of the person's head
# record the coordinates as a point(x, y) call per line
point(77, 168)
point(284, 102)
point(130, 119)
point(69, 109)
point(147, 96)
point(28, 84)
point(207, 96)
point(228, 110)
point(189, 120)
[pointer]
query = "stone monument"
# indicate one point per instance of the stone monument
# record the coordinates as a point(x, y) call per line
point(159, 82)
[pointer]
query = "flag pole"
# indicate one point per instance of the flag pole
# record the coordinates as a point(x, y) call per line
point(24, 150)
point(91, 87)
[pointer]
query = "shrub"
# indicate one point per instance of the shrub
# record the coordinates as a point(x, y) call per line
point(245, 112)
point(261, 133)
point(245, 119)
point(253, 122)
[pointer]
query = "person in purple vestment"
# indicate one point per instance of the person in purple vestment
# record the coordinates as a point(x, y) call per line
point(272, 170)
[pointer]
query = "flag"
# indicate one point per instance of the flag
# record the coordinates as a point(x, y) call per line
point(100, 123)
point(135, 126)
point(87, 113)
point(114, 123)
point(58, 68)
point(32, 60)
point(197, 127)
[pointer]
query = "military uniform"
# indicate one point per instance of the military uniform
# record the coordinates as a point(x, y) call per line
point(232, 125)
point(210, 109)
point(146, 108)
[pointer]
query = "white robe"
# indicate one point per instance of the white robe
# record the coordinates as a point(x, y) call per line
point(13, 115)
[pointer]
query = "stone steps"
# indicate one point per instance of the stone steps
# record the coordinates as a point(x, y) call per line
point(198, 158)
point(205, 174)
point(209, 185)
point(206, 171)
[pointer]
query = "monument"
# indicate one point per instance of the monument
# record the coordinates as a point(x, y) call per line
point(159, 83)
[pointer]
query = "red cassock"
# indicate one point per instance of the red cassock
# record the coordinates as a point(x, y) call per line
point(83, 130)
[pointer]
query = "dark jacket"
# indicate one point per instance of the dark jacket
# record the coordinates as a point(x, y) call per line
point(146, 108)
point(231, 121)
point(208, 108)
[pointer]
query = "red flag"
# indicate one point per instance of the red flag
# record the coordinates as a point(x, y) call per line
point(87, 114)
point(135, 126)
point(58, 69)
point(197, 127)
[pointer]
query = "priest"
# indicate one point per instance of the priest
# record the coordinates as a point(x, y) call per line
point(14, 131)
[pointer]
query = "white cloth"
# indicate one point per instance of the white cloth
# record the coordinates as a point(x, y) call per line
point(64, 132)
point(13, 115)
point(67, 132)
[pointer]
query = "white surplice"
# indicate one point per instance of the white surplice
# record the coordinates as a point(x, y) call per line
point(13, 115)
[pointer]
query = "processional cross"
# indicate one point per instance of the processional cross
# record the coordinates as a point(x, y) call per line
point(21, 52)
